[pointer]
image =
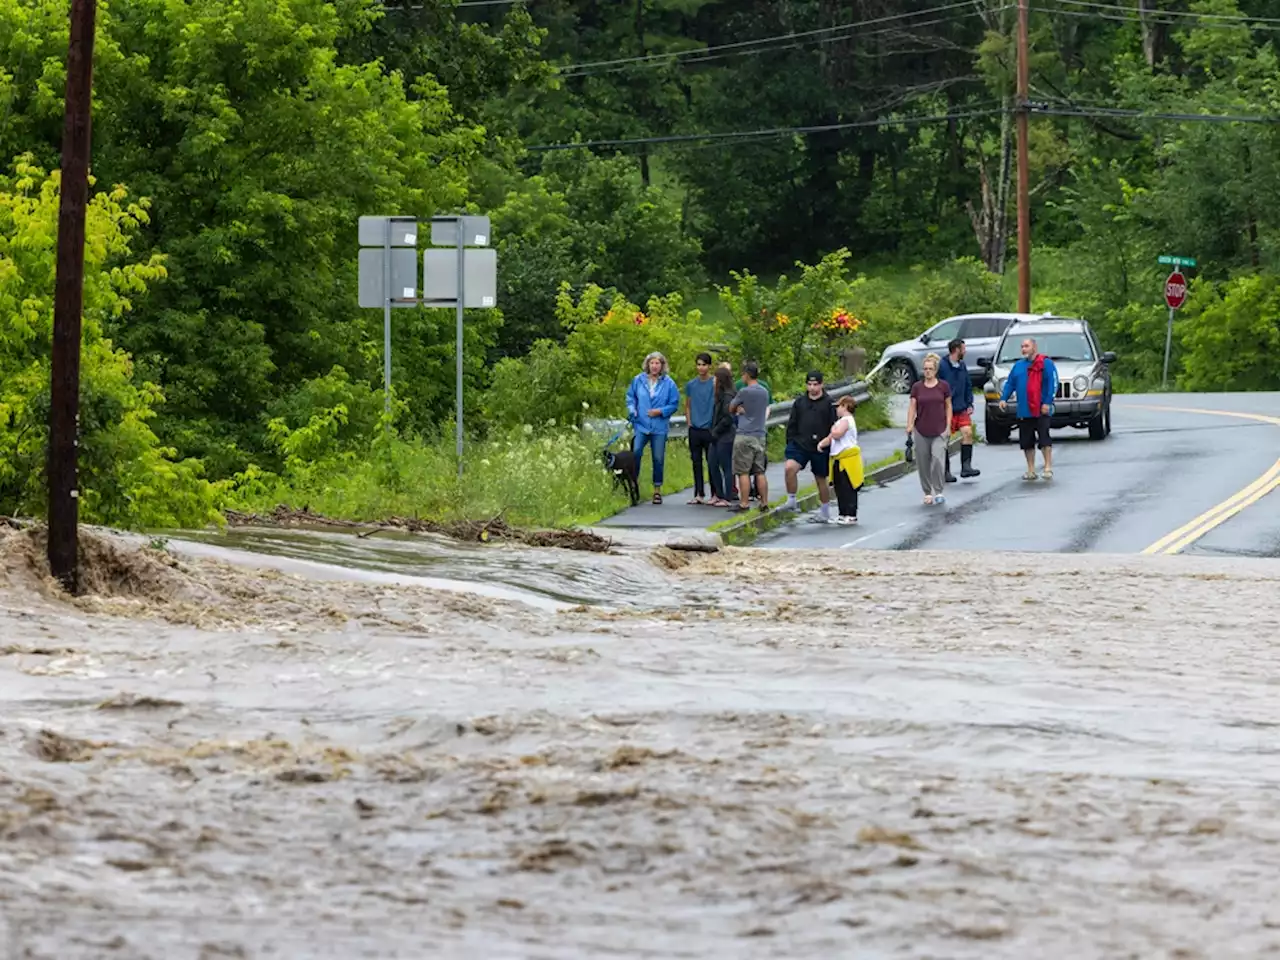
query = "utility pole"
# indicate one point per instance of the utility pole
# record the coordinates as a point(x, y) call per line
point(68, 301)
point(1024, 173)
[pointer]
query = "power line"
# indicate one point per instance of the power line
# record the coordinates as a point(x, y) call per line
point(573, 68)
point(694, 57)
point(1121, 113)
point(1121, 17)
point(462, 3)
point(1229, 18)
point(736, 135)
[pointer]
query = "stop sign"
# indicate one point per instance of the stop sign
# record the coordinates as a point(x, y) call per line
point(1175, 290)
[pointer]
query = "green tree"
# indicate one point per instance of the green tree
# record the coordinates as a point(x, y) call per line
point(127, 477)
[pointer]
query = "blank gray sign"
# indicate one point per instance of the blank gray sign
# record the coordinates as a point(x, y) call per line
point(404, 231)
point(404, 276)
point(440, 277)
point(475, 233)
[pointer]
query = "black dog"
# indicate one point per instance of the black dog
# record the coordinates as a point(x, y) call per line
point(622, 464)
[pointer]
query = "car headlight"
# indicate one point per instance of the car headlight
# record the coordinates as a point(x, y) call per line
point(1080, 386)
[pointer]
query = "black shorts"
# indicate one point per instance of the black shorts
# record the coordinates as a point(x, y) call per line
point(1033, 432)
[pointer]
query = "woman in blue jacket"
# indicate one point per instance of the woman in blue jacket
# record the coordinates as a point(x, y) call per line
point(652, 399)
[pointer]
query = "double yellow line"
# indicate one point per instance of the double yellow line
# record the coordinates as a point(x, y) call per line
point(1213, 518)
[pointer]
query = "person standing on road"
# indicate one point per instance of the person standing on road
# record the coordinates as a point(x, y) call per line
point(652, 398)
point(755, 493)
point(813, 414)
point(723, 430)
point(928, 416)
point(955, 373)
point(699, 406)
point(1034, 379)
point(751, 406)
point(846, 460)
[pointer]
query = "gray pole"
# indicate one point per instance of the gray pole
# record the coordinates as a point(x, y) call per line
point(462, 252)
point(1168, 344)
point(386, 322)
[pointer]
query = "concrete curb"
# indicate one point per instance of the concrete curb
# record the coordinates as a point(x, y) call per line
point(748, 528)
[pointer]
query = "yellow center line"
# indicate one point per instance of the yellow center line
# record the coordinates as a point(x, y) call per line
point(1214, 517)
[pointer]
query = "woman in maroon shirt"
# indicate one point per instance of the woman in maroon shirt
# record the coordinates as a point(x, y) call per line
point(928, 416)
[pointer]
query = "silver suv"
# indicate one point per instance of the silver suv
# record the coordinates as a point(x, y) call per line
point(903, 363)
point(1084, 376)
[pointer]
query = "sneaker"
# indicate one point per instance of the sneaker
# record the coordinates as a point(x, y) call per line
point(846, 521)
point(939, 499)
point(789, 507)
point(819, 518)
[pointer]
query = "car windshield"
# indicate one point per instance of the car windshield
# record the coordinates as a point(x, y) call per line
point(1069, 347)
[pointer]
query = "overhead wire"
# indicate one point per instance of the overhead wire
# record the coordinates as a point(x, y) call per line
point(899, 18)
point(696, 57)
point(739, 135)
point(1229, 18)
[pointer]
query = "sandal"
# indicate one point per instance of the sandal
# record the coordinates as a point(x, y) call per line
point(1048, 474)
point(657, 499)
point(697, 502)
point(928, 501)
point(1030, 475)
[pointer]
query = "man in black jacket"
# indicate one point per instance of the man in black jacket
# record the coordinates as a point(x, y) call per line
point(812, 416)
point(956, 374)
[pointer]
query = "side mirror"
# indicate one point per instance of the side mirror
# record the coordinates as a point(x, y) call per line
point(1108, 357)
point(985, 363)
point(925, 338)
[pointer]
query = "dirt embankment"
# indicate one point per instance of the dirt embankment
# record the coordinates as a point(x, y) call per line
point(493, 530)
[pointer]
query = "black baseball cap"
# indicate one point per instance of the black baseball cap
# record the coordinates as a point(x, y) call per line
point(815, 376)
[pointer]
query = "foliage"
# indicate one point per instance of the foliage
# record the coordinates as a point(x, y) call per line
point(552, 478)
point(588, 375)
point(127, 477)
point(1231, 336)
point(795, 325)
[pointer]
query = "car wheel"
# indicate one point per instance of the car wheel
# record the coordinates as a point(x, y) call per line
point(1098, 426)
point(901, 377)
point(997, 434)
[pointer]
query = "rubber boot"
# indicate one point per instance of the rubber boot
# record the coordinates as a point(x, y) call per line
point(966, 462)
point(950, 478)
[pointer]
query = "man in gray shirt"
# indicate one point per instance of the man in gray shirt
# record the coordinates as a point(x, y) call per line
point(751, 405)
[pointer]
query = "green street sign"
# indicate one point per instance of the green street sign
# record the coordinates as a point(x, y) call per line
point(1178, 261)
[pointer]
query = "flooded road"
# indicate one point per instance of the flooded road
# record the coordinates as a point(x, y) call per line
point(751, 754)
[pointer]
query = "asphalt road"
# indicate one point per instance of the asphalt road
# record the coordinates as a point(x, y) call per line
point(1164, 469)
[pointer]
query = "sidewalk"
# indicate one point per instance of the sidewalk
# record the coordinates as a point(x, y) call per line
point(676, 512)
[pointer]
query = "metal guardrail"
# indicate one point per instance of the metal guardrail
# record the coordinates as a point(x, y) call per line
point(779, 413)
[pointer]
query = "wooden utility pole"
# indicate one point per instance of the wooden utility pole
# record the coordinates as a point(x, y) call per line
point(68, 301)
point(1024, 172)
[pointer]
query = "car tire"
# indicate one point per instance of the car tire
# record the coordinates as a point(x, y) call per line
point(901, 377)
point(998, 434)
point(1098, 426)
point(1107, 414)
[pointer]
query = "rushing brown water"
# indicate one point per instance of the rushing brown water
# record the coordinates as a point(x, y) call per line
point(744, 755)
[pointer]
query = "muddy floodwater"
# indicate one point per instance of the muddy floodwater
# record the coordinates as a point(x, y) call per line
point(435, 752)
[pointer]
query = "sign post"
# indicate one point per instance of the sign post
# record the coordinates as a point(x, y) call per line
point(1175, 295)
point(388, 277)
point(458, 278)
